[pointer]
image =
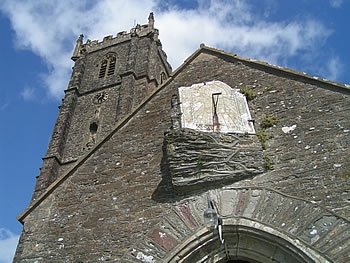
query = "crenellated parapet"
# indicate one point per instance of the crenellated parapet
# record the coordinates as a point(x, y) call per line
point(110, 40)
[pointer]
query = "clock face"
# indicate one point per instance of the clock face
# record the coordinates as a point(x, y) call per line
point(100, 97)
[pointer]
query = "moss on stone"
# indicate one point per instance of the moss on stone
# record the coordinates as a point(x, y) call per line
point(250, 95)
point(268, 162)
point(268, 121)
point(263, 138)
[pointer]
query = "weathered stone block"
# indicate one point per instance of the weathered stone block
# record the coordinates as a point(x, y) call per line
point(199, 160)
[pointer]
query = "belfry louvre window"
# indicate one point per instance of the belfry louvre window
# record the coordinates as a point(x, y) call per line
point(107, 66)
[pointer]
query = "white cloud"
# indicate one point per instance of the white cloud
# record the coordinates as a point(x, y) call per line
point(336, 3)
point(243, 34)
point(334, 68)
point(4, 105)
point(27, 93)
point(8, 244)
point(50, 28)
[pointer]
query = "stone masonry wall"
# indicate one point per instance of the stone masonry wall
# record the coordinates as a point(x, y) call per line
point(200, 160)
point(92, 215)
point(311, 159)
point(138, 57)
point(124, 188)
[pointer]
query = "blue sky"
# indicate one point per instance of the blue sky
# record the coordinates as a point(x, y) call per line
point(38, 38)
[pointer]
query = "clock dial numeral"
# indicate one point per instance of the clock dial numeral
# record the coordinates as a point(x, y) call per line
point(101, 97)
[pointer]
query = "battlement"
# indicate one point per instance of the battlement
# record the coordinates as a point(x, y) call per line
point(137, 31)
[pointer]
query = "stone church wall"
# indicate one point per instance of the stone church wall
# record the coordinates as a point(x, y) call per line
point(309, 145)
point(123, 189)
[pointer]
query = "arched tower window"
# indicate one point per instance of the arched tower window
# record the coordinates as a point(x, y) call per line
point(103, 68)
point(107, 65)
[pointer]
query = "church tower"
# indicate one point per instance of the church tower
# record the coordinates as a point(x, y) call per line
point(109, 79)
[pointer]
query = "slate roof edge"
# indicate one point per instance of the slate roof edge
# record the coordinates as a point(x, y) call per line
point(286, 72)
point(21, 217)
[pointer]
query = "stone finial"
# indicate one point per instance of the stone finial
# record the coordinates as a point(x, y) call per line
point(77, 49)
point(151, 20)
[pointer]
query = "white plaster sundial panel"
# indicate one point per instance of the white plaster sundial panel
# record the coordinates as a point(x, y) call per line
point(215, 106)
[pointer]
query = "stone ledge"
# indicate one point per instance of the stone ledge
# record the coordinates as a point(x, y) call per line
point(197, 160)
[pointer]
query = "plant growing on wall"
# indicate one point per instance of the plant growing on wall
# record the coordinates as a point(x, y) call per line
point(268, 162)
point(250, 95)
point(268, 121)
point(200, 161)
point(263, 138)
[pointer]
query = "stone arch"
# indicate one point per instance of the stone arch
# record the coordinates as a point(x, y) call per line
point(244, 240)
point(259, 225)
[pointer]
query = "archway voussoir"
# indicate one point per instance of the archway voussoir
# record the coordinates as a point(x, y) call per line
point(228, 202)
point(318, 228)
point(340, 244)
point(340, 251)
point(344, 254)
point(335, 236)
point(304, 216)
point(175, 224)
point(261, 225)
point(253, 203)
point(163, 239)
point(191, 213)
point(288, 213)
point(192, 244)
point(210, 249)
point(275, 208)
point(145, 251)
point(265, 206)
point(242, 202)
